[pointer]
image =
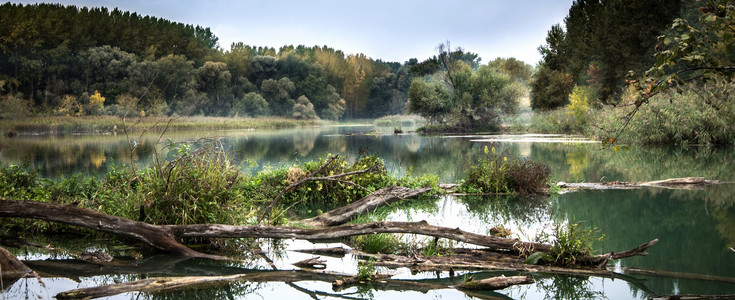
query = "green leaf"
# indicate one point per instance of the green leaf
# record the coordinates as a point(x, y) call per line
point(534, 258)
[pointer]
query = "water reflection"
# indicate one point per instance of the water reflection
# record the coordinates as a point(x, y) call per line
point(695, 228)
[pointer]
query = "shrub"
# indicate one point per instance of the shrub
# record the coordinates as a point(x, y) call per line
point(494, 173)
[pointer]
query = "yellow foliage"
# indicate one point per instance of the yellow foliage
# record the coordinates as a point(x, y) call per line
point(97, 101)
point(70, 107)
point(579, 104)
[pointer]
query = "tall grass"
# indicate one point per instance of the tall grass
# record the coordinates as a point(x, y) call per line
point(111, 123)
point(700, 115)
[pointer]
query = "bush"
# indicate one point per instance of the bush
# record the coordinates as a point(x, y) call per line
point(493, 173)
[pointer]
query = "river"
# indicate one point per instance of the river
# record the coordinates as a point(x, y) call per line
point(696, 228)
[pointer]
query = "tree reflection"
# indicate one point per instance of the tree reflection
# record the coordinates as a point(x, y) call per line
point(568, 287)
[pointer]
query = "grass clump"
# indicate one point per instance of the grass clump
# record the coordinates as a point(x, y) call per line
point(571, 243)
point(495, 173)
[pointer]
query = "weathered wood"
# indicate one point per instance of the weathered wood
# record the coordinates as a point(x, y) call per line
point(601, 260)
point(680, 275)
point(343, 231)
point(312, 263)
point(334, 251)
point(11, 269)
point(694, 297)
point(153, 235)
point(673, 183)
point(494, 283)
point(384, 196)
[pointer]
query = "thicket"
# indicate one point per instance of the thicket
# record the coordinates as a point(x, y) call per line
point(200, 184)
point(495, 173)
point(702, 115)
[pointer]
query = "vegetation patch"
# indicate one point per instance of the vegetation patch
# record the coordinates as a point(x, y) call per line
point(495, 173)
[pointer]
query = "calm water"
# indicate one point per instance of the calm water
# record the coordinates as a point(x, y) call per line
point(696, 228)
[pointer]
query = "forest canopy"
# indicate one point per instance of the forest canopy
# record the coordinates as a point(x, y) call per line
point(54, 58)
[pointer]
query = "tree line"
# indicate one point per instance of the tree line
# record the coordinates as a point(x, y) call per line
point(67, 60)
point(599, 43)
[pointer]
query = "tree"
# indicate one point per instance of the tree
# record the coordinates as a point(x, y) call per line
point(550, 88)
point(687, 53)
point(467, 99)
point(303, 109)
point(215, 79)
point(251, 104)
point(335, 105)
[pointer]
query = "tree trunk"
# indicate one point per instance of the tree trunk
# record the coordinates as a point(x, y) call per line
point(671, 183)
point(11, 269)
point(384, 196)
point(494, 283)
point(68, 214)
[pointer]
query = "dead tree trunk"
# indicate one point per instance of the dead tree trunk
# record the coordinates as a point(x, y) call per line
point(384, 196)
point(11, 269)
point(672, 183)
point(164, 237)
point(494, 283)
point(68, 214)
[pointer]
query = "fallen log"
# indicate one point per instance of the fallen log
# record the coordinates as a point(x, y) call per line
point(312, 263)
point(694, 297)
point(384, 196)
point(152, 235)
point(164, 237)
point(494, 283)
point(672, 183)
point(343, 231)
point(11, 269)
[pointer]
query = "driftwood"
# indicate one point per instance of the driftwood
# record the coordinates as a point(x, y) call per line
point(694, 297)
point(312, 263)
point(672, 183)
point(164, 237)
point(384, 196)
point(334, 251)
point(68, 214)
point(494, 283)
point(11, 269)
point(340, 281)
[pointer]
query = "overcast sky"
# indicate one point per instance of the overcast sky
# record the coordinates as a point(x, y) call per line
point(391, 30)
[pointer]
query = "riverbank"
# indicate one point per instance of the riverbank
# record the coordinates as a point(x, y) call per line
point(42, 125)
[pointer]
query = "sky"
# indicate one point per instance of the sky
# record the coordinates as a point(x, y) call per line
point(391, 30)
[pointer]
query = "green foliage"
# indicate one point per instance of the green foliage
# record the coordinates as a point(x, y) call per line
point(13, 107)
point(494, 173)
point(571, 243)
point(383, 243)
point(703, 116)
point(252, 104)
point(303, 109)
point(701, 52)
point(465, 95)
point(366, 270)
point(615, 35)
point(550, 88)
point(436, 247)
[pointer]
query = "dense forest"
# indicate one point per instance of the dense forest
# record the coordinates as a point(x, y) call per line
point(599, 42)
point(65, 60)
